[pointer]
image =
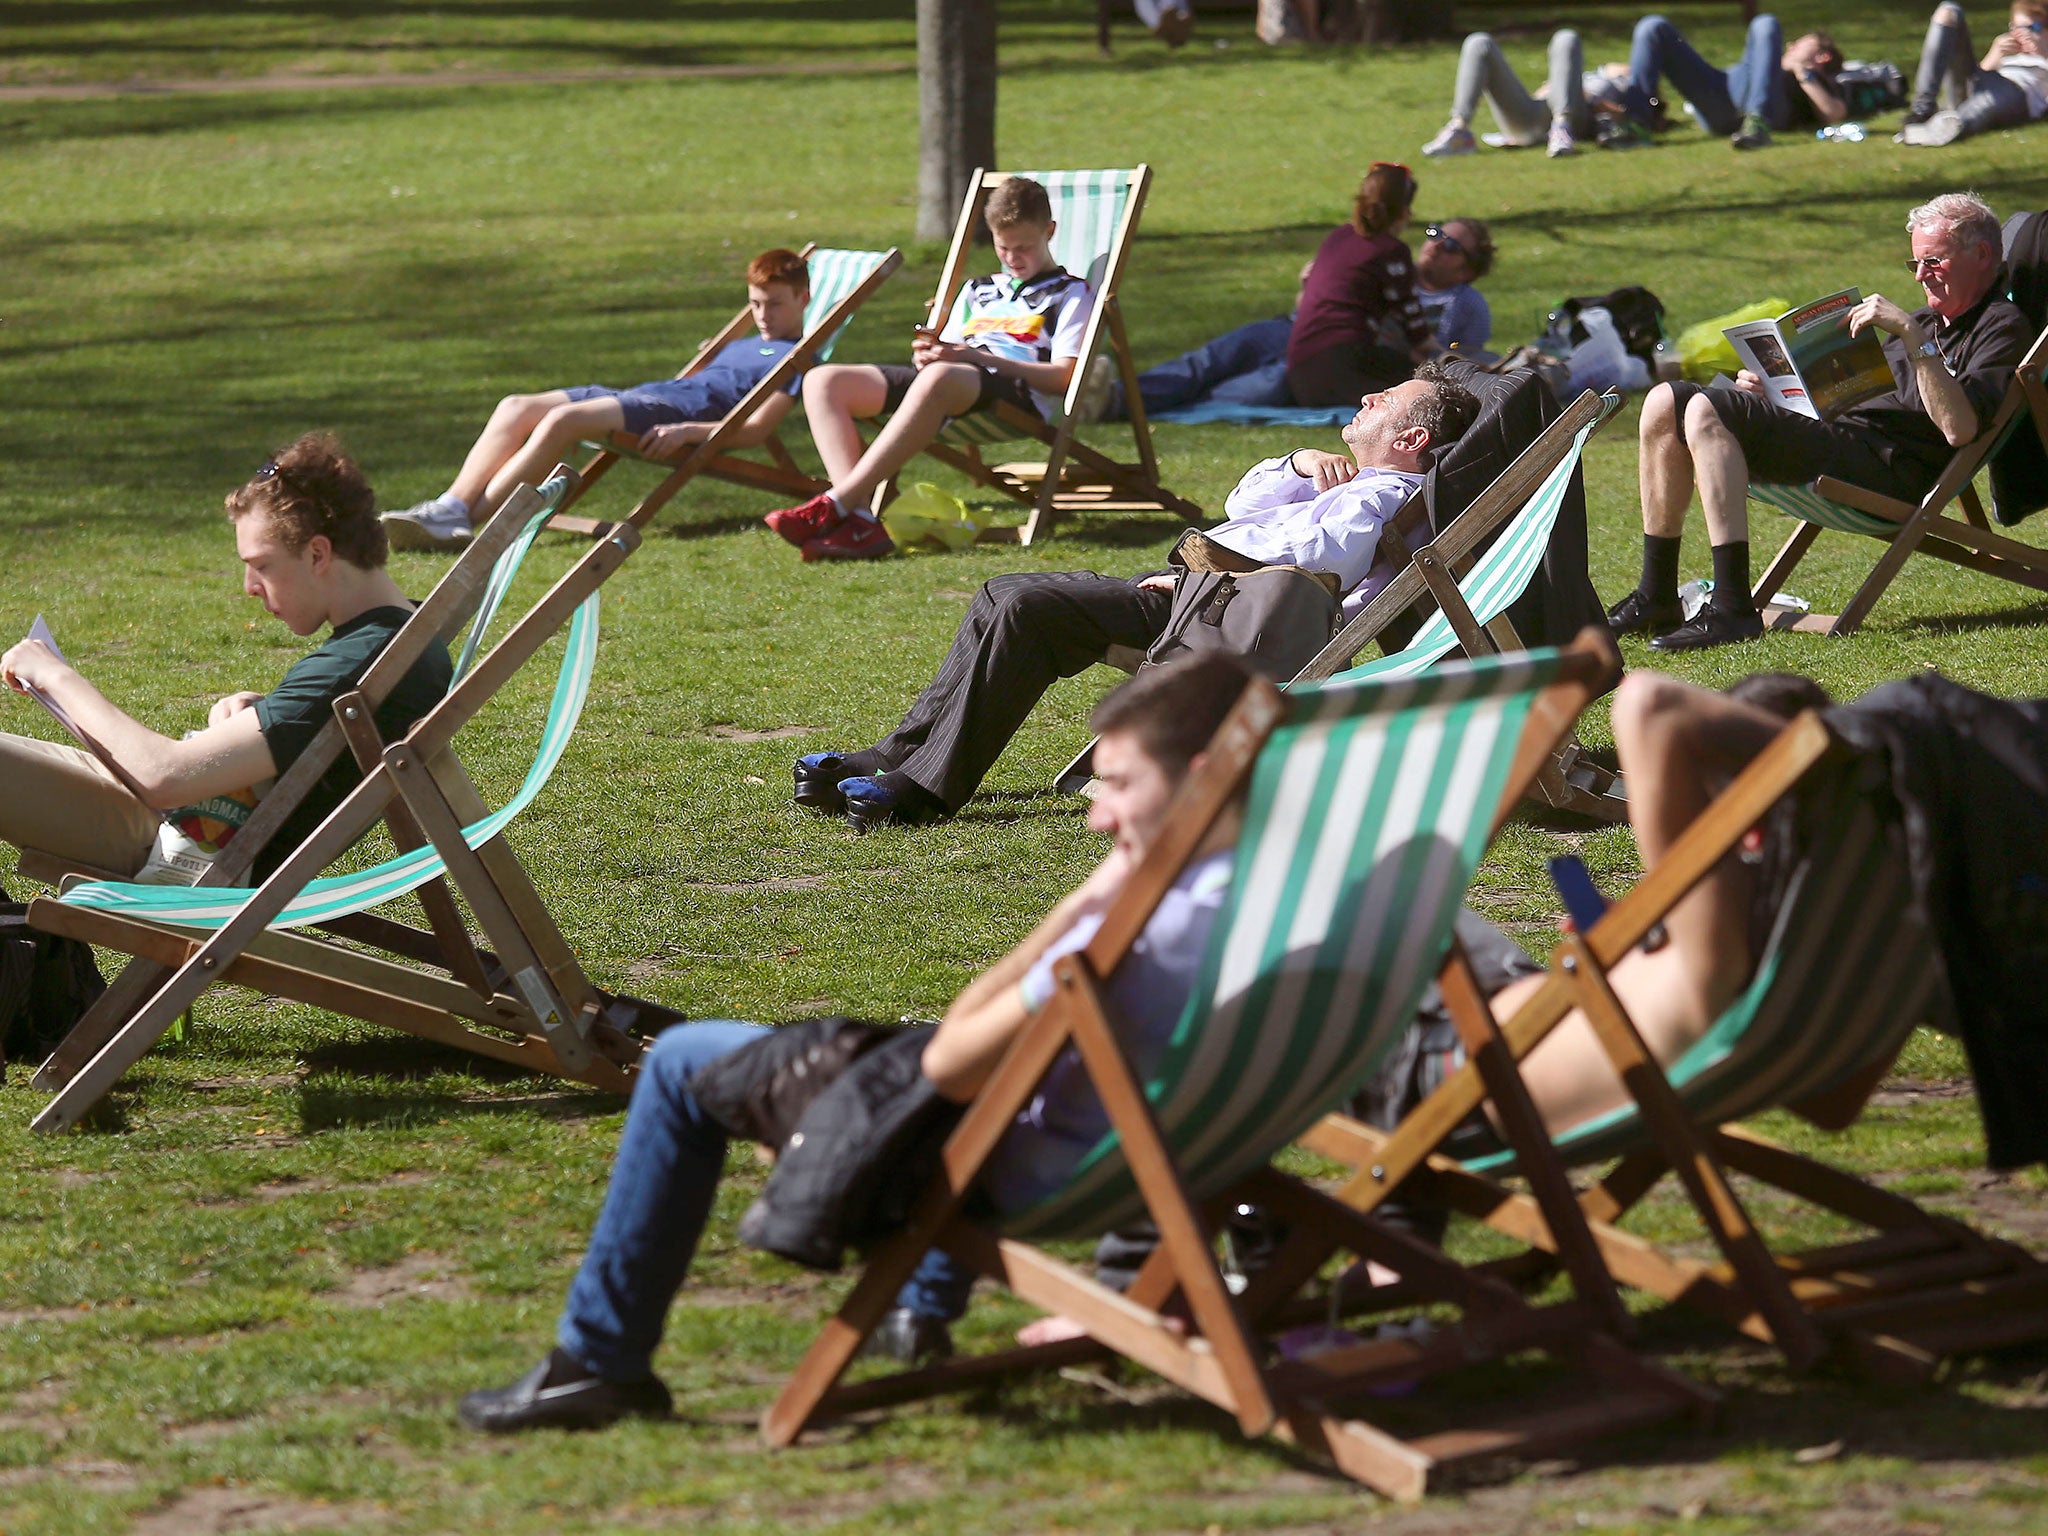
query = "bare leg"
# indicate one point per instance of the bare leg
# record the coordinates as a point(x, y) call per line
point(557, 435)
point(836, 397)
point(941, 391)
point(1677, 743)
point(514, 417)
point(1722, 472)
point(1664, 467)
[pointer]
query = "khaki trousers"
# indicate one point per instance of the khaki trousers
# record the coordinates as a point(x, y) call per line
point(61, 800)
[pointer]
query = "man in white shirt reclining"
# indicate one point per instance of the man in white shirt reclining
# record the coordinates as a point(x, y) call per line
point(1321, 511)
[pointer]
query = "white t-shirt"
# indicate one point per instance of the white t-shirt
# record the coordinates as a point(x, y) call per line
point(1039, 320)
point(2028, 71)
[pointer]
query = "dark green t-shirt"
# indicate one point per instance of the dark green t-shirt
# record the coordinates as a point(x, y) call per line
point(292, 713)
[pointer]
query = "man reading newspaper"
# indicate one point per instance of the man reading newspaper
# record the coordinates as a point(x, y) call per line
point(1951, 361)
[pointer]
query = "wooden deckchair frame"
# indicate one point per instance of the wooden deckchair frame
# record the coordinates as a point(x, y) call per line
point(1217, 1357)
point(716, 456)
point(1927, 528)
point(526, 1000)
point(1925, 1287)
point(1074, 477)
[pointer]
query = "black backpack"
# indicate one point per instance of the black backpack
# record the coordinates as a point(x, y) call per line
point(1638, 319)
point(1868, 89)
point(46, 984)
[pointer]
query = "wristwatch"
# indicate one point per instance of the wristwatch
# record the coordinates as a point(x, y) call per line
point(1929, 348)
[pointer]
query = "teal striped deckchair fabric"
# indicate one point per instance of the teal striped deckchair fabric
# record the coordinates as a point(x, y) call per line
point(1497, 577)
point(1847, 973)
point(1368, 812)
point(835, 274)
point(338, 895)
point(1088, 208)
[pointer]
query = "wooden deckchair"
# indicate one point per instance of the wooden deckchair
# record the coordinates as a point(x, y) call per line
point(1845, 976)
point(524, 1000)
point(841, 281)
point(1905, 529)
point(1471, 593)
point(1369, 806)
point(1097, 214)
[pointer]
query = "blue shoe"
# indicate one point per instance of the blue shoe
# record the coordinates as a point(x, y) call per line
point(817, 776)
point(874, 802)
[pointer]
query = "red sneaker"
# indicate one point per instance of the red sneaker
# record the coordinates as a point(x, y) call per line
point(856, 538)
point(814, 519)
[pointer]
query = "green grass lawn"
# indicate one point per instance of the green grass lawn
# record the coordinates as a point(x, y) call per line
point(251, 1293)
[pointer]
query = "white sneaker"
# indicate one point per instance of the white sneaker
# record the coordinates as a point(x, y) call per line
point(1561, 141)
point(1451, 140)
point(1942, 128)
point(430, 525)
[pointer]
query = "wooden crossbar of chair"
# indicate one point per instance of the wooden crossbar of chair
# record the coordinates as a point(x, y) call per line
point(1073, 477)
point(716, 456)
point(1217, 1353)
point(528, 982)
point(1924, 1287)
point(1907, 529)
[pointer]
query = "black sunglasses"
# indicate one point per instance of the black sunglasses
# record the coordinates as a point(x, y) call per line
point(1450, 243)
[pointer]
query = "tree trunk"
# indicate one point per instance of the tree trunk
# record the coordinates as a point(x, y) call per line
point(956, 106)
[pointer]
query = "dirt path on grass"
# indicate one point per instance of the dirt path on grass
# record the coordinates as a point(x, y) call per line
point(92, 90)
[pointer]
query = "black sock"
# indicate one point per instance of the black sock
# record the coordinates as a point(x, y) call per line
point(1731, 577)
point(1660, 570)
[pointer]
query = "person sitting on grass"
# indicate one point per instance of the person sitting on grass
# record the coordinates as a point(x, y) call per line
point(1360, 325)
point(312, 554)
point(1248, 366)
point(1014, 337)
point(1772, 87)
point(1952, 361)
point(1154, 730)
point(1321, 511)
point(528, 435)
point(2007, 88)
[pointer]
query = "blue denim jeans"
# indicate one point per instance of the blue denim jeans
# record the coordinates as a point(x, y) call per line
point(660, 1196)
point(1247, 366)
point(1720, 97)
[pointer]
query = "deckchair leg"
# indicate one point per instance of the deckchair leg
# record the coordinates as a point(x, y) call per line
point(1719, 1207)
point(1789, 555)
point(110, 1011)
point(1889, 564)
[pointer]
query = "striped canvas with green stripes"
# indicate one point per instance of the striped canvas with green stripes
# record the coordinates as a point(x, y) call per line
point(1847, 972)
point(1088, 208)
point(1809, 506)
point(835, 274)
point(338, 895)
point(1497, 577)
point(1368, 812)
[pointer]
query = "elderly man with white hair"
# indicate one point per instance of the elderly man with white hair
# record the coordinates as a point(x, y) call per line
point(1951, 362)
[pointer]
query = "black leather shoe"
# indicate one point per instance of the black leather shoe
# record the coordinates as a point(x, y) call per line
point(910, 1338)
point(1710, 627)
point(1640, 615)
point(817, 776)
point(562, 1393)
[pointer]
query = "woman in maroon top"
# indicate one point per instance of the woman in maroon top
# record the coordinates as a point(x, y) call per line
point(1360, 328)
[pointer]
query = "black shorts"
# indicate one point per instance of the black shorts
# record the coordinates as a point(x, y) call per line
point(994, 386)
point(1782, 447)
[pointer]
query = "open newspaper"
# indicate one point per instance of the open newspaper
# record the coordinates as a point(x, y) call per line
point(1809, 362)
point(41, 631)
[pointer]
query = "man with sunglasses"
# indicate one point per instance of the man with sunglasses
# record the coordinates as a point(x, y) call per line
point(1952, 360)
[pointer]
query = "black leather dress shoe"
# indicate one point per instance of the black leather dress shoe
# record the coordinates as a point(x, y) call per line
point(817, 776)
point(1639, 615)
point(909, 1338)
point(1711, 626)
point(562, 1393)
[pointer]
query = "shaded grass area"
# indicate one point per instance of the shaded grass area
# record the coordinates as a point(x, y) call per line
point(266, 1270)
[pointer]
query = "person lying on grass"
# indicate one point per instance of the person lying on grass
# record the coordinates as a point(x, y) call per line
point(313, 555)
point(1153, 732)
point(1320, 511)
point(528, 435)
point(1012, 338)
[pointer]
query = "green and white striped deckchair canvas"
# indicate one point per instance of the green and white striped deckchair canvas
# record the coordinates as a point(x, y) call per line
point(1846, 975)
point(1368, 811)
point(835, 274)
point(334, 896)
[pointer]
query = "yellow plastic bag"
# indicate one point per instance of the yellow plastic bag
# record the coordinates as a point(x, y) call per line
point(1703, 351)
point(924, 515)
